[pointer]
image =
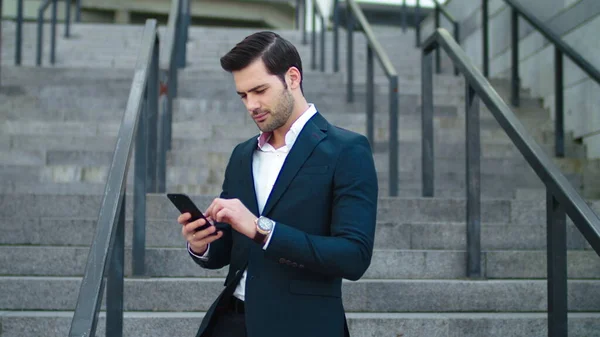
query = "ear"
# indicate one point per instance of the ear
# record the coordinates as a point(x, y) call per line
point(293, 78)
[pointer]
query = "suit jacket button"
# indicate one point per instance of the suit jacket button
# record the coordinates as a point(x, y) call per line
point(294, 265)
point(282, 260)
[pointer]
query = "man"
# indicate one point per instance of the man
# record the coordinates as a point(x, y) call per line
point(297, 211)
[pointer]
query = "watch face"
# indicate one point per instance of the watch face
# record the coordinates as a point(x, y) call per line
point(265, 224)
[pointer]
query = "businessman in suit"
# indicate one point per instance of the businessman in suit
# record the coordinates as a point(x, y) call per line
point(297, 211)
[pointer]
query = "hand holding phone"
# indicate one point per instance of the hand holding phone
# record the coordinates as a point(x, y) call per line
point(200, 237)
point(185, 205)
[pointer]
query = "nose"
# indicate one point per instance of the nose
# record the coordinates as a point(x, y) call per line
point(252, 103)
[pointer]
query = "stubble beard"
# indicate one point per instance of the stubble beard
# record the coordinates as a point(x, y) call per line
point(280, 114)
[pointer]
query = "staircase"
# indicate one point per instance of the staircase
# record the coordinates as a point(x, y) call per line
point(57, 131)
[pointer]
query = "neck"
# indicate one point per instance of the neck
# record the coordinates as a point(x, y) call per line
point(278, 137)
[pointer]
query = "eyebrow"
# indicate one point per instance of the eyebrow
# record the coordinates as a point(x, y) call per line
point(253, 89)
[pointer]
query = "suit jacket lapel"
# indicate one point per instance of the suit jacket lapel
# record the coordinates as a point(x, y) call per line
point(247, 191)
point(312, 134)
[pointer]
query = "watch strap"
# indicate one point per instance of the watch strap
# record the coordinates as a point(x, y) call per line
point(259, 238)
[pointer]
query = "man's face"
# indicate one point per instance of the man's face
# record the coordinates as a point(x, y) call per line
point(269, 102)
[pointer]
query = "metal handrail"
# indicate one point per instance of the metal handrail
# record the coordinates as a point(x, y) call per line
point(560, 49)
point(173, 57)
point(1, 15)
point(562, 198)
point(444, 11)
point(317, 10)
point(439, 9)
point(373, 47)
point(40, 31)
point(106, 255)
point(301, 11)
point(19, 33)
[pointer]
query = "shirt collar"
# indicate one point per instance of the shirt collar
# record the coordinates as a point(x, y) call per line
point(292, 134)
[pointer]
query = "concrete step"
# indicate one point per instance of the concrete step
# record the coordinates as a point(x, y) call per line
point(58, 152)
point(391, 233)
point(447, 130)
point(31, 185)
point(389, 209)
point(196, 294)
point(385, 264)
point(403, 191)
point(210, 171)
point(155, 324)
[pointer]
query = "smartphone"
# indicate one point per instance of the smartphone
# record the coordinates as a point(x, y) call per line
point(185, 205)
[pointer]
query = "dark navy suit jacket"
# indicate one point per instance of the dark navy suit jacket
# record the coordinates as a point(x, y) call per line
point(324, 203)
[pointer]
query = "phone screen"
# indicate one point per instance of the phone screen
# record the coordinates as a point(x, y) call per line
point(185, 205)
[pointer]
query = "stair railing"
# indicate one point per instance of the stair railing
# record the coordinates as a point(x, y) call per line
point(438, 11)
point(561, 198)
point(106, 256)
point(40, 32)
point(40, 29)
point(173, 57)
point(560, 49)
point(374, 49)
point(19, 33)
point(317, 11)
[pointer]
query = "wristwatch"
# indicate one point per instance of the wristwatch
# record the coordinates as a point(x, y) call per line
point(264, 226)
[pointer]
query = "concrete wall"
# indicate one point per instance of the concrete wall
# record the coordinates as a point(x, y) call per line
point(271, 13)
point(576, 21)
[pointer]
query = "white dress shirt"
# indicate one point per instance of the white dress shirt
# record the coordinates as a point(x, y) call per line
point(266, 164)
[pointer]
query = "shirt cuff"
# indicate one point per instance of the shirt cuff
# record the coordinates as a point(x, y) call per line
point(268, 238)
point(203, 257)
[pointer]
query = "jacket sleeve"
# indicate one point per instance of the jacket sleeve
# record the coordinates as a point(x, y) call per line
point(347, 251)
point(219, 255)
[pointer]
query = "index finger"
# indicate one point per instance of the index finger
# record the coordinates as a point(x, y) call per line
point(211, 207)
point(184, 218)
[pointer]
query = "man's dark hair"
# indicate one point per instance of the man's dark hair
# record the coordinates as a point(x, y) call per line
point(277, 54)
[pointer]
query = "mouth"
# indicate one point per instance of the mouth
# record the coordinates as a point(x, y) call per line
point(260, 117)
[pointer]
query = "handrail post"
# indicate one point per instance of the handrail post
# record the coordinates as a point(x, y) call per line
point(1, 44)
point(297, 16)
point(172, 93)
point(349, 54)
point(515, 86)
point(67, 18)
point(304, 41)
point(78, 12)
point(323, 31)
point(115, 279)
point(473, 182)
point(438, 61)
point(152, 104)
point(313, 40)
point(53, 32)
point(393, 164)
point(162, 146)
point(427, 141)
point(336, 37)
point(417, 17)
point(19, 33)
point(457, 38)
point(557, 267)
point(182, 34)
point(485, 36)
point(370, 97)
point(140, 188)
point(559, 130)
point(40, 37)
point(403, 16)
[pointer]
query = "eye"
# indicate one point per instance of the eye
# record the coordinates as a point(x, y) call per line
point(261, 91)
